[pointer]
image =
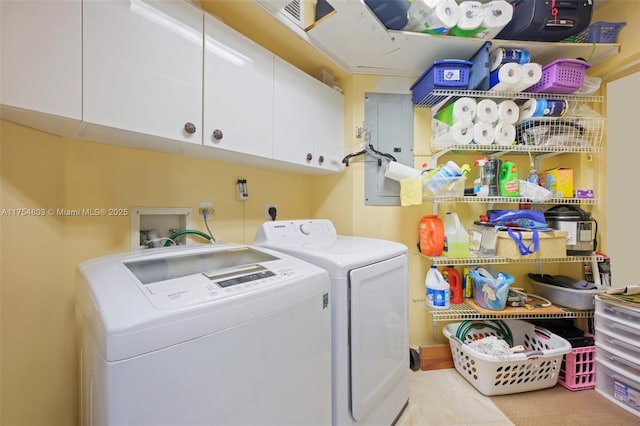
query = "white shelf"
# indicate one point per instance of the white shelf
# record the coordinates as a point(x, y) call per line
point(464, 311)
point(356, 40)
point(497, 260)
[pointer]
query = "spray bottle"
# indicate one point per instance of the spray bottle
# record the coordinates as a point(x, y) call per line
point(533, 174)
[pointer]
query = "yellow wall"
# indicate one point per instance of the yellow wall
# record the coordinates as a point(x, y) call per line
point(38, 255)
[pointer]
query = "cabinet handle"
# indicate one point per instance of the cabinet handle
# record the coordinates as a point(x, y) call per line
point(321, 159)
point(217, 134)
point(190, 128)
point(309, 157)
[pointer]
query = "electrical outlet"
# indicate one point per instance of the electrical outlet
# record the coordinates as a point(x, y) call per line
point(266, 210)
point(206, 207)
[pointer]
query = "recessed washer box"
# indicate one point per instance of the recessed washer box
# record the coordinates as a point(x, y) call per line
point(151, 226)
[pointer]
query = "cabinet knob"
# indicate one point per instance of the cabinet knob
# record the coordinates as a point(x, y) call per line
point(217, 134)
point(309, 157)
point(190, 128)
point(321, 159)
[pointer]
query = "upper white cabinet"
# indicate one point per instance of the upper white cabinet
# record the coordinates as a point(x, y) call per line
point(40, 64)
point(308, 119)
point(238, 92)
point(142, 67)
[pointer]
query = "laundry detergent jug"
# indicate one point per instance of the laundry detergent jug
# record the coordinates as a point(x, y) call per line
point(508, 180)
point(456, 238)
point(431, 233)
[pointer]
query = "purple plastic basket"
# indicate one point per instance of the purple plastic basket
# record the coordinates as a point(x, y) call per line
point(561, 76)
point(444, 74)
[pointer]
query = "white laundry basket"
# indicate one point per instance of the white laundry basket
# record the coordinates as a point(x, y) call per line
point(536, 368)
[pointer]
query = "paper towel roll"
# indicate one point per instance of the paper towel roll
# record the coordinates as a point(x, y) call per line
point(432, 16)
point(551, 108)
point(463, 109)
point(495, 16)
point(471, 15)
point(502, 55)
point(483, 133)
point(487, 111)
point(397, 171)
point(505, 78)
point(504, 134)
point(508, 111)
point(458, 134)
point(531, 74)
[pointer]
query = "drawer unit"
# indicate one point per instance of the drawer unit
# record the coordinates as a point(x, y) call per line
point(618, 354)
point(618, 384)
point(623, 346)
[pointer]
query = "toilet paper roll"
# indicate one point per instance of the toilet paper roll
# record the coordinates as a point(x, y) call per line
point(397, 171)
point(486, 111)
point(463, 109)
point(508, 112)
point(432, 16)
point(504, 134)
point(531, 74)
point(495, 16)
point(505, 78)
point(471, 15)
point(483, 133)
point(458, 134)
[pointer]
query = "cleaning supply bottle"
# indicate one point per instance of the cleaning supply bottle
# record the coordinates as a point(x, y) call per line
point(509, 181)
point(456, 238)
point(437, 290)
point(481, 184)
point(533, 173)
point(431, 233)
point(455, 284)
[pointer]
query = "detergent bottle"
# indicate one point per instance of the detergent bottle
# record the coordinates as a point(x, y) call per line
point(431, 233)
point(437, 290)
point(456, 238)
point(455, 284)
point(509, 181)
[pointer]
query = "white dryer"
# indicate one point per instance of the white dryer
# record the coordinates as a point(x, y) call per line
point(369, 309)
point(209, 335)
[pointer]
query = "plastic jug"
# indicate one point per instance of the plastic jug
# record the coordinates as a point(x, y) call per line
point(431, 233)
point(509, 181)
point(455, 285)
point(456, 238)
point(437, 290)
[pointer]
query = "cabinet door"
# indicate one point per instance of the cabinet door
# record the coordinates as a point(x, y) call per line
point(328, 137)
point(41, 48)
point(292, 114)
point(142, 64)
point(238, 91)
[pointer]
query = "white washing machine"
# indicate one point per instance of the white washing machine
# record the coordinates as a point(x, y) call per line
point(369, 309)
point(209, 335)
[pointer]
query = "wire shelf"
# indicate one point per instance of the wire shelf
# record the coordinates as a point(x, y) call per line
point(511, 200)
point(463, 311)
point(518, 149)
point(495, 260)
point(435, 97)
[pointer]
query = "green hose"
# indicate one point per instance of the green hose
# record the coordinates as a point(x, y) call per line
point(185, 232)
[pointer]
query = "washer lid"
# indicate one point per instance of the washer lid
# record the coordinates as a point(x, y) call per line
point(143, 301)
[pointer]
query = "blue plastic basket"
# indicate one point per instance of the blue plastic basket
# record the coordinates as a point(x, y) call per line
point(443, 74)
point(600, 32)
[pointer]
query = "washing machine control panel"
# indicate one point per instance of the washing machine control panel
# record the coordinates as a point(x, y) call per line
point(296, 232)
point(172, 282)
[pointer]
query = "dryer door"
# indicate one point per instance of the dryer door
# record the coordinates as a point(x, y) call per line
point(379, 331)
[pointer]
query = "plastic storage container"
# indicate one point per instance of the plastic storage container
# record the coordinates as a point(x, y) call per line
point(581, 300)
point(600, 32)
point(537, 368)
point(490, 292)
point(443, 74)
point(561, 76)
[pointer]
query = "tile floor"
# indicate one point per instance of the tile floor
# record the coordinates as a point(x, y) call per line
point(445, 398)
